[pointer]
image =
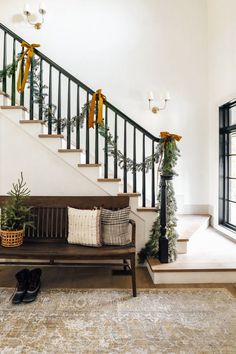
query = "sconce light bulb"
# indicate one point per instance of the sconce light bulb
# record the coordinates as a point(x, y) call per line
point(151, 96)
point(27, 10)
point(167, 98)
point(42, 8)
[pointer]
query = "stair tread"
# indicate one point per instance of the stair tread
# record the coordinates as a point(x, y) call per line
point(89, 165)
point(14, 107)
point(70, 150)
point(51, 136)
point(130, 194)
point(27, 121)
point(109, 179)
point(153, 209)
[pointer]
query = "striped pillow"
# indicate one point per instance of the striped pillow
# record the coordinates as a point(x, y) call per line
point(115, 227)
point(84, 227)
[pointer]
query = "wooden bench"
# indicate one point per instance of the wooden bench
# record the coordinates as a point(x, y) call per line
point(47, 241)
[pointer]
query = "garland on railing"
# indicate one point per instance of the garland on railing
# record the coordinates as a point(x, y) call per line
point(10, 69)
point(170, 154)
point(166, 155)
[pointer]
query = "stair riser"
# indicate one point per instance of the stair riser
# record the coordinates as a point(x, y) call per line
point(72, 158)
point(33, 129)
point(4, 101)
point(51, 143)
point(182, 247)
point(111, 187)
point(15, 114)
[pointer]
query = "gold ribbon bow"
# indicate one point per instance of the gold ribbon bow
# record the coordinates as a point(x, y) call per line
point(165, 135)
point(100, 98)
point(29, 52)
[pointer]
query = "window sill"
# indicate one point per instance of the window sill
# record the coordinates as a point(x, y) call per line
point(231, 235)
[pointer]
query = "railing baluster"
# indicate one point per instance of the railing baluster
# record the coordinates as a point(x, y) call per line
point(59, 105)
point(4, 80)
point(153, 176)
point(31, 112)
point(87, 131)
point(125, 156)
point(96, 136)
point(77, 121)
point(50, 101)
point(41, 89)
point(22, 95)
point(13, 78)
point(115, 151)
point(68, 118)
point(134, 161)
point(106, 145)
point(143, 176)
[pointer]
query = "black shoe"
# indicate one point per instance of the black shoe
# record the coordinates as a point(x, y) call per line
point(22, 278)
point(33, 285)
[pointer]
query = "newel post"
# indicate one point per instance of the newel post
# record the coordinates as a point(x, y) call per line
point(163, 240)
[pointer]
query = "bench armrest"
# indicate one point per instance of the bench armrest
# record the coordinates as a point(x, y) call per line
point(133, 224)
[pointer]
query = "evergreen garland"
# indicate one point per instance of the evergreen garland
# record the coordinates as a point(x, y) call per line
point(9, 70)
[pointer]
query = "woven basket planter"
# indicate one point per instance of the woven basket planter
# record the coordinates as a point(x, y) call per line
point(12, 238)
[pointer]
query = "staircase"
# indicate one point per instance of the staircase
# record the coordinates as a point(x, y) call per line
point(83, 151)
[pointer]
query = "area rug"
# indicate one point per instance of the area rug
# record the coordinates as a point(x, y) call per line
point(169, 321)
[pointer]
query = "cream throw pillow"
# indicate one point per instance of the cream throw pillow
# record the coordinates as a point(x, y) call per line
point(84, 227)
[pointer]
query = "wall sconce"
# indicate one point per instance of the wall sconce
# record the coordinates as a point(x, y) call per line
point(156, 109)
point(42, 11)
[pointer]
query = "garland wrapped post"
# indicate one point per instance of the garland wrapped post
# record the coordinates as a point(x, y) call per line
point(169, 154)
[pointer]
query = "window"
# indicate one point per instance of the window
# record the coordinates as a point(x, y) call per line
point(227, 191)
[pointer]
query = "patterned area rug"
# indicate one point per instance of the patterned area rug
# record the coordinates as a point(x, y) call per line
point(169, 321)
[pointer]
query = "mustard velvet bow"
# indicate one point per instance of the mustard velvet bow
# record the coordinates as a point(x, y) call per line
point(29, 53)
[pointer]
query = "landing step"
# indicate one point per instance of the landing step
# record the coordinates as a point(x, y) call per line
point(51, 136)
point(184, 273)
point(14, 107)
point(109, 179)
point(70, 150)
point(210, 259)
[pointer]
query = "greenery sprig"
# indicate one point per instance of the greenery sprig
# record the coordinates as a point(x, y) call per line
point(14, 213)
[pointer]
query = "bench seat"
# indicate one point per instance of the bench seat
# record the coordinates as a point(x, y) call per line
point(64, 251)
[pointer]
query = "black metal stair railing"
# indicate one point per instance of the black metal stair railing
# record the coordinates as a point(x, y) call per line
point(68, 95)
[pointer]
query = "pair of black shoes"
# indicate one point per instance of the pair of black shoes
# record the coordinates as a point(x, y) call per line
point(28, 285)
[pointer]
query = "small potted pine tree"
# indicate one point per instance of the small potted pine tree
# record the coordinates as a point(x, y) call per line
point(14, 215)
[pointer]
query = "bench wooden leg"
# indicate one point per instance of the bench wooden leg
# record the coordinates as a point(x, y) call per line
point(133, 270)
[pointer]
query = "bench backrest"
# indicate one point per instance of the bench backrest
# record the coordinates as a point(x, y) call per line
point(50, 216)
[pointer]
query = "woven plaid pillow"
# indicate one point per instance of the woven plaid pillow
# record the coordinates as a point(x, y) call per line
point(115, 227)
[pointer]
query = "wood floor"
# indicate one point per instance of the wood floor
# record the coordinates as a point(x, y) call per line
point(92, 278)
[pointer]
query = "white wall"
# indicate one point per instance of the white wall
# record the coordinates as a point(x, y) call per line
point(222, 79)
point(129, 48)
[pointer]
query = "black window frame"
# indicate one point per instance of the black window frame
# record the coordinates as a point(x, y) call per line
point(225, 129)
